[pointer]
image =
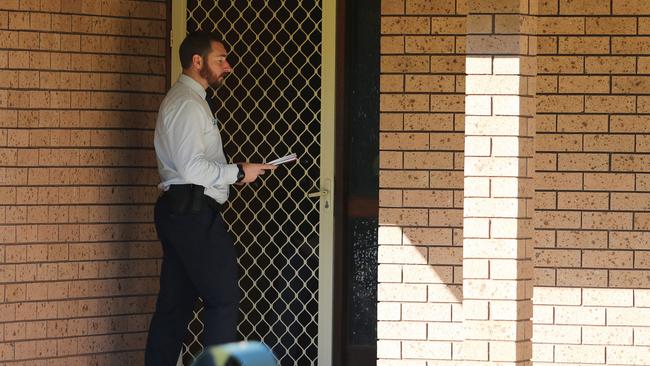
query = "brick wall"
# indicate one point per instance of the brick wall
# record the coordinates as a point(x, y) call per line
point(80, 83)
point(421, 180)
point(593, 196)
point(592, 294)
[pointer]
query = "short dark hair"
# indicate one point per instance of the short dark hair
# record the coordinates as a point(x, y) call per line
point(196, 43)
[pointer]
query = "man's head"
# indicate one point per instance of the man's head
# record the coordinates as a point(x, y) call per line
point(203, 58)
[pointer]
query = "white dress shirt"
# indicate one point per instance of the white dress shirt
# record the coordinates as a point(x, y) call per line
point(188, 144)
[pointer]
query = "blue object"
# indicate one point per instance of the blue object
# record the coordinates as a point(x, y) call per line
point(237, 354)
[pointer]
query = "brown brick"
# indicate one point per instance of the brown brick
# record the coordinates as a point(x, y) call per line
point(611, 143)
point(582, 123)
point(630, 7)
point(560, 64)
point(405, 25)
point(585, 45)
point(430, 8)
point(611, 25)
point(610, 104)
point(584, 84)
point(610, 64)
point(561, 25)
point(630, 45)
point(585, 7)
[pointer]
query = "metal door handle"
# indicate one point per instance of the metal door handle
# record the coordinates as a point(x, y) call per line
point(318, 194)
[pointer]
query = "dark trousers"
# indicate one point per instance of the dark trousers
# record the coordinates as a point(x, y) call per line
point(199, 259)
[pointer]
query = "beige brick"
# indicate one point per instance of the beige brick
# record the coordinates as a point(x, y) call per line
point(389, 273)
point(607, 335)
point(428, 274)
point(507, 351)
point(558, 334)
point(542, 315)
point(641, 336)
point(580, 354)
point(402, 292)
point(388, 349)
point(445, 331)
point(428, 236)
point(389, 311)
point(493, 248)
point(580, 315)
point(426, 312)
point(444, 293)
point(391, 45)
point(426, 350)
point(493, 289)
point(627, 355)
point(401, 330)
point(557, 296)
point(628, 316)
point(402, 255)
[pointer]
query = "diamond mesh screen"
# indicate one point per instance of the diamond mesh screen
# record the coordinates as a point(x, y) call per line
point(269, 107)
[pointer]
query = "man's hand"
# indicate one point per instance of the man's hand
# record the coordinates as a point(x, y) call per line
point(252, 171)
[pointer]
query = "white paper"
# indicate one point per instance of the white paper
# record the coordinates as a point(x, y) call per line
point(284, 159)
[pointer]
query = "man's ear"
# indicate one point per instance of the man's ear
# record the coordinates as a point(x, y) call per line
point(197, 61)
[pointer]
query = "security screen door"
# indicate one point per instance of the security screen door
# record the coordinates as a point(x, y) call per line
point(278, 100)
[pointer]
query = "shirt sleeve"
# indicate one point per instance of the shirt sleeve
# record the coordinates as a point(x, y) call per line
point(185, 140)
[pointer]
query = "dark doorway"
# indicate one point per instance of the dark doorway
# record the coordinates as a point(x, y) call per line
point(358, 171)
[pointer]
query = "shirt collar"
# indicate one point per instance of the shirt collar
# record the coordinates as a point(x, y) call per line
point(192, 84)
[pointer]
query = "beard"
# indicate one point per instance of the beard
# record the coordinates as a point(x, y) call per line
point(213, 79)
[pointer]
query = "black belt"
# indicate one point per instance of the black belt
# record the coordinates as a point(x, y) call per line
point(186, 198)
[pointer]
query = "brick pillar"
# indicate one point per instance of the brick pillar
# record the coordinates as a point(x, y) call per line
point(498, 205)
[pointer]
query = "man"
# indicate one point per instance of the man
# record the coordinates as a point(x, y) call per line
point(199, 257)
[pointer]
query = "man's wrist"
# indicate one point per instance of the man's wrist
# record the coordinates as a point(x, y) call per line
point(240, 173)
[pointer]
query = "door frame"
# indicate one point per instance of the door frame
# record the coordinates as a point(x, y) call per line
point(330, 51)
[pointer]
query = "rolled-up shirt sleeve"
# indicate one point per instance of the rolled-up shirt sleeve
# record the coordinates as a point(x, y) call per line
point(184, 130)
